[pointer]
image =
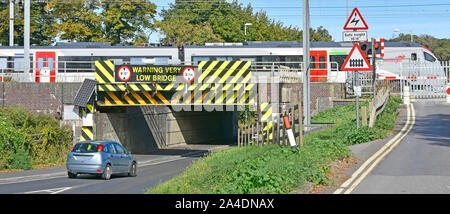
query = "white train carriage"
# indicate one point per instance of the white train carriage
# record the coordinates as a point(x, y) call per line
point(74, 62)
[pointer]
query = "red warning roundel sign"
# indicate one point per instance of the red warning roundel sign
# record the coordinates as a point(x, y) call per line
point(124, 73)
point(188, 74)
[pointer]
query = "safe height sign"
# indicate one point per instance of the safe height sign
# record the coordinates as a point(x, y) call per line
point(154, 74)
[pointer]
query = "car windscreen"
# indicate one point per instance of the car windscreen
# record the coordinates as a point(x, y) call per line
point(86, 148)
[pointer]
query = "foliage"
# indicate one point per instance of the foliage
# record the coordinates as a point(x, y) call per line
point(276, 169)
point(124, 22)
point(39, 24)
point(220, 21)
point(440, 47)
point(16, 147)
point(246, 114)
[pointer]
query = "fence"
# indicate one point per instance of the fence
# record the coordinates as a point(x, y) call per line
point(47, 71)
point(269, 128)
point(446, 66)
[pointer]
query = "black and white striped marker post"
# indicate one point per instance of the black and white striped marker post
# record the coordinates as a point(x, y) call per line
point(291, 137)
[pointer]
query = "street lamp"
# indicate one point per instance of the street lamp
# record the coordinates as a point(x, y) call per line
point(245, 30)
point(410, 32)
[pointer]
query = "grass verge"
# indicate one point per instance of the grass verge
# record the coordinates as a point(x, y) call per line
point(275, 169)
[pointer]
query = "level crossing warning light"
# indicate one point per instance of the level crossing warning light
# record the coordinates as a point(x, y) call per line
point(356, 60)
point(378, 48)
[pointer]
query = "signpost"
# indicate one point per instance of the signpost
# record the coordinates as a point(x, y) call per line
point(356, 62)
point(354, 36)
point(154, 73)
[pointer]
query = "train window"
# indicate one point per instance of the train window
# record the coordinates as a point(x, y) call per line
point(294, 58)
point(3, 65)
point(161, 60)
point(322, 62)
point(19, 64)
point(224, 58)
point(75, 64)
point(429, 57)
point(336, 61)
point(244, 59)
point(197, 59)
point(117, 61)
point(137, 61)
point(414, 57)
point(50, 63)
point(312, 62)
point(267, 59)
point(40, 63)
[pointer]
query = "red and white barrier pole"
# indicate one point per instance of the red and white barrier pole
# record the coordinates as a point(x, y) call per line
point(291, 137)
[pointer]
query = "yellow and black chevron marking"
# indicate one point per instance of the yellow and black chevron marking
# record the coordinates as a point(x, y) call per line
point(229, 73)
point(234, 74)
point(209, 97)
point(104, 72)
point(89, 109)
point(87, 133)
point(266, 118)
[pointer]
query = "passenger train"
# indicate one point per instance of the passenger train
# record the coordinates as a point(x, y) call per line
point(72, 62)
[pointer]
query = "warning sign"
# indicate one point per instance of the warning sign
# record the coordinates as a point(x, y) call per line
point(188, 74)
point(356, 61)
point(355, 21)
point(124, 73)
point(154, 73)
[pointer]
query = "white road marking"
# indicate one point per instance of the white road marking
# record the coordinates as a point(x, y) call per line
point(29, 178)
point(49, 191)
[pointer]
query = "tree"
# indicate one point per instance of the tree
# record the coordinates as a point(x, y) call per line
point(123, 21)
point(221, 21)
point(39, 23)
point(440, 47)
point(77, 21)
point(115, 21)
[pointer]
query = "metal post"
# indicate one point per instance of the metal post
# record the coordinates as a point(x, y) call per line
point(357, 99)
point(374, 74)
point(245, 32)
point(26, 43)
point(11, 23)
point(306, 80)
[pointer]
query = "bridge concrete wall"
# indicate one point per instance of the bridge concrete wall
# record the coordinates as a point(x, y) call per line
point(148, 128)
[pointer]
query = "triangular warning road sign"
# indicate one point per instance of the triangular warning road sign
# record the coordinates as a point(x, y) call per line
point(355, 21)
point(356, 61)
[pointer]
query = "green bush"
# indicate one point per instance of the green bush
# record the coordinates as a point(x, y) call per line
point(21, 160)
point(16, 148)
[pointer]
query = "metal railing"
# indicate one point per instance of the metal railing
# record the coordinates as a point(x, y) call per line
point(64, 71)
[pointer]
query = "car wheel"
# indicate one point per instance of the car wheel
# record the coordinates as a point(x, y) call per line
point(133, 170)
point(72, 175)
point(107, 172)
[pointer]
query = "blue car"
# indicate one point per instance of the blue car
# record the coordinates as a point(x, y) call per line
point(100, 158)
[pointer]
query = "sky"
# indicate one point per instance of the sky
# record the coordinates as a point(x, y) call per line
point(430, 17)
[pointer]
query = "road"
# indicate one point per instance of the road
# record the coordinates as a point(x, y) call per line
point(152, 170)
point(419, 162)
